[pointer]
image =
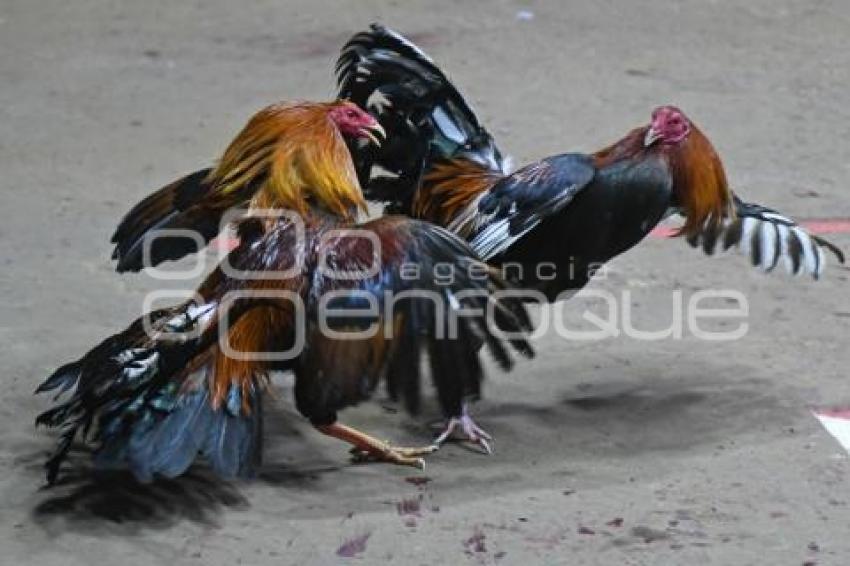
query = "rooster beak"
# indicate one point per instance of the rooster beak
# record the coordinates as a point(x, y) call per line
point(375, 134)
point(651, 135)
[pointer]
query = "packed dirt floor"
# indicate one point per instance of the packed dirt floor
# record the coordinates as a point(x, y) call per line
point(620, 451)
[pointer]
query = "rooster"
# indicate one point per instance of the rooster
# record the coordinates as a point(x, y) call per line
point(167, 224)
point(574, 211)
point(190, 379)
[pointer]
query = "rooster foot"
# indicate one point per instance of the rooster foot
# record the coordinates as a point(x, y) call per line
point(367, 448)
point(386, 452)
point(471, 432)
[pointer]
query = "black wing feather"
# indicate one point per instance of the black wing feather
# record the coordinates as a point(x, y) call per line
point(425, 116)
point(519, 202)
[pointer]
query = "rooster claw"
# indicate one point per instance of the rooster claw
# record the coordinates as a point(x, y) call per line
point(394, 454)
point(471, 432)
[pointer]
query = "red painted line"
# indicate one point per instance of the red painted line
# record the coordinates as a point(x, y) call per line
point(827, 226)
point(814, 226)
point(834, 413)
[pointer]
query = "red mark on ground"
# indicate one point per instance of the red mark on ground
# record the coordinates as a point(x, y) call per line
point(353, 547)
point(410, 506)
point(828, 226)
point(418, 481)
point(835, 413)
point(475, 543)
point(814, 225)
point(663, 232)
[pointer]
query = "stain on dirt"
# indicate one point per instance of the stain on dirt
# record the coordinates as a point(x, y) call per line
point(354, 546)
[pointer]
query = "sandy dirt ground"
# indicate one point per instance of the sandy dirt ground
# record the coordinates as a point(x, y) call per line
point(612, 452)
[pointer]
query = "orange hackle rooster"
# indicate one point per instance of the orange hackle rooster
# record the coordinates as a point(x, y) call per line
point(255, 169)
point(571, 212)
point(342, 305)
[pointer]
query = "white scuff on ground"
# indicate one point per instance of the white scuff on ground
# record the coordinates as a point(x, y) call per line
point(837, 423)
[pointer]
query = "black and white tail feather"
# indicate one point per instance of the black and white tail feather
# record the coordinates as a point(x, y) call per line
point(768, 237)
point(128, 403)
point(424, 115)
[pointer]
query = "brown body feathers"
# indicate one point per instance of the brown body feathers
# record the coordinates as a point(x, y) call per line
point(450, 187)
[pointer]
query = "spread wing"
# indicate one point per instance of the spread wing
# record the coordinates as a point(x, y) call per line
point(426, 118)
point(378, 298)
point(177, 220)
point(519, 202)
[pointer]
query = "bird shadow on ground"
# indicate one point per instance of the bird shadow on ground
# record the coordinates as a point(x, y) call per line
point(647, 415)
point(91, 500)
point(87, 498)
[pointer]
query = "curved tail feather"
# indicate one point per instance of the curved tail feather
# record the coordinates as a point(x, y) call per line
point(425, 116)
point(132, 398)
point(446, 308)
point(455, 365)
point(768, 237)
point(167, 444)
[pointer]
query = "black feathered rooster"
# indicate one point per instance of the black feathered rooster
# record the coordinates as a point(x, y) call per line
point(574, 211)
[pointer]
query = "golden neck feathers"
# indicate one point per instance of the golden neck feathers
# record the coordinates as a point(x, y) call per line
point(298, 157)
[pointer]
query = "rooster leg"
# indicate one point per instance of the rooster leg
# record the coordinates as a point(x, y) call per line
point(471, 431)
point(369, 448)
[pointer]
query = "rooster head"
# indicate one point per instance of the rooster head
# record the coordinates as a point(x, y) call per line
point(669, 125)
point(355, 123)
point(699, 180)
